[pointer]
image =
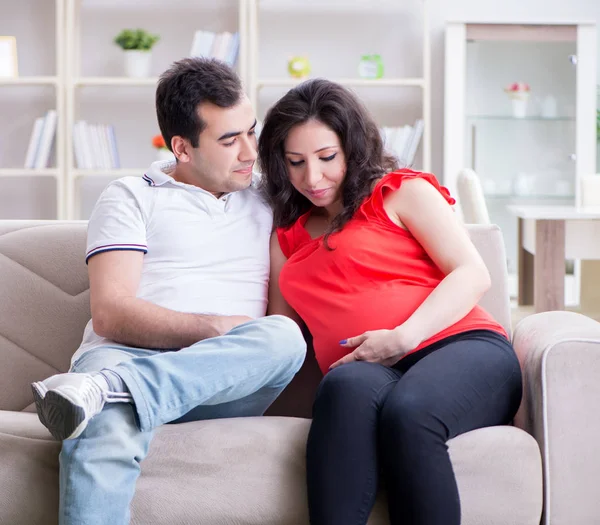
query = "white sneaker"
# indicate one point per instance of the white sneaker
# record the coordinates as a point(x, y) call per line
point(65, 403)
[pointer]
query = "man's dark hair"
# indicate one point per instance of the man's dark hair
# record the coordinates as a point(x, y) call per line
point(187, 84)
point(340, 110)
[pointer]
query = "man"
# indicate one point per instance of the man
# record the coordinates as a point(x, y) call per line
point(178, 262)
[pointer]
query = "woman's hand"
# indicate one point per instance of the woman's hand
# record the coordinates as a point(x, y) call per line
point(386, 347)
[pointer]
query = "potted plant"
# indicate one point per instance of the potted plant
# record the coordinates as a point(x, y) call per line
point(162, 152)
point(137, 45)
point(519, 94)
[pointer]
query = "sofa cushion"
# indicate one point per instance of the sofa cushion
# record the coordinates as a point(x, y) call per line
point(45, 303)
point(252, 471)
point(29, 473)
point(490, 244)
point(45, 300)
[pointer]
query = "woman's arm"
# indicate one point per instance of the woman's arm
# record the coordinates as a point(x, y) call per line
point(277, 304)
point(420, 208)
point(433, 223)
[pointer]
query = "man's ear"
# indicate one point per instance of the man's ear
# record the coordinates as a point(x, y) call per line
point(181, 148)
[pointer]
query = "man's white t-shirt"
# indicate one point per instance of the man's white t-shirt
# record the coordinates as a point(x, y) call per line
point(203, 254)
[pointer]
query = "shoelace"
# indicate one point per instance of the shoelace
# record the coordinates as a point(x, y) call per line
point(95, 396)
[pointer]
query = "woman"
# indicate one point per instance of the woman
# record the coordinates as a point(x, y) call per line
point(374, 261)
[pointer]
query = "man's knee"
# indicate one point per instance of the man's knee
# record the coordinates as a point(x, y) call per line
point(285, 340)
point(96, 359)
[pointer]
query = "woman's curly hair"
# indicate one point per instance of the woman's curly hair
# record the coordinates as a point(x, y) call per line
point(340, 110)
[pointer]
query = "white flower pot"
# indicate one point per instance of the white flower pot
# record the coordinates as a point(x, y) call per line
point(137, 63)
point(519, 104)
point(164, 154)
point(519, 108)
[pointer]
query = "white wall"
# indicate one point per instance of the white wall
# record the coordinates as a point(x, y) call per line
point(344, 37)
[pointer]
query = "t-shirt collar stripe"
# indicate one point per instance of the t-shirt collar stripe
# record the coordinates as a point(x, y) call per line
point(158, 174)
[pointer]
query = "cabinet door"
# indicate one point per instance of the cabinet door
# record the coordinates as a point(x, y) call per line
point(520, 118)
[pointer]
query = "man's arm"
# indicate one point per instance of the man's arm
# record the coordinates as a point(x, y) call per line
point(119, 315)
point(277, 304)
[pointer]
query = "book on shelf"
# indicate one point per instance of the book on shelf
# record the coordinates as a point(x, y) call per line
point(223, 46)
point(95, 146)
point(41, 141)
point(402, 142)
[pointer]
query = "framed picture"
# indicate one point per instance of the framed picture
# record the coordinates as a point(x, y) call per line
point(8, 57)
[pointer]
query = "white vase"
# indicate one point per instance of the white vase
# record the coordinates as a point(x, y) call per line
point(164, 154)
point(137, 63)
point(519, 104)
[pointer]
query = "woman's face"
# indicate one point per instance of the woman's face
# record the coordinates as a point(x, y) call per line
point(316, 162)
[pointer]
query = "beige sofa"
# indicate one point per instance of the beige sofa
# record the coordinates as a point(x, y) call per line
point(251, 470)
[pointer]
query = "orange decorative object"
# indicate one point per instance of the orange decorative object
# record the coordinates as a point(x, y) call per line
point(158, 142)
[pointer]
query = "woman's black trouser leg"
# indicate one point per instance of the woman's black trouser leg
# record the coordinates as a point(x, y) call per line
point(368, 418)
point(342, 464)
point(469, 383)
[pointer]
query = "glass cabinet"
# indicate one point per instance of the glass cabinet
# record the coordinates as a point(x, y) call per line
point(520, 110)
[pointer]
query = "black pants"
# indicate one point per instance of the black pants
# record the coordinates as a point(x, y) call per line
point(370, 419)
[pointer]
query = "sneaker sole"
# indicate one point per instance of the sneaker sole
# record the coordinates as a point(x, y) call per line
point(60, 416)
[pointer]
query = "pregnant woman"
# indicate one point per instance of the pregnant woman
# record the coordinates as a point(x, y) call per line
point(374, 261)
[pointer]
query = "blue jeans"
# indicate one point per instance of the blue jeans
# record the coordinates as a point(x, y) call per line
point(238, 374)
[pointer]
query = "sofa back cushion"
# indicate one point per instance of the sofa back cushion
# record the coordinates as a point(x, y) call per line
point(44, 301)
point(488, 240)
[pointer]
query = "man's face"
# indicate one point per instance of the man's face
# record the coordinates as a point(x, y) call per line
point(226, 153)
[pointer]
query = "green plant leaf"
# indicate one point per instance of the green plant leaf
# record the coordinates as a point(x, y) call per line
point(137, 39)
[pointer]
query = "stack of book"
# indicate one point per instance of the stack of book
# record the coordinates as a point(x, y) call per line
point(403, 142)
point(95, 146)
point(41, 140)
point(223, 46)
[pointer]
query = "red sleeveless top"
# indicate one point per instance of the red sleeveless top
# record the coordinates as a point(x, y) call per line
point(375, 278)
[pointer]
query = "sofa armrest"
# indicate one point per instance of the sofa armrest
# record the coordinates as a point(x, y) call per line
point(559, 354)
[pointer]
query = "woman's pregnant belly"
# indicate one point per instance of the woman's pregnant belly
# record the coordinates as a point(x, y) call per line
point(348, 315)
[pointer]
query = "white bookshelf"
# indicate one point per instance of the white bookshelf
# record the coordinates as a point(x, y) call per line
point(286, 10)
point(30, 81)
point(114, 81)
point(24, 172)
point(331, 6)
point(155, 17)
point(114, 173)
point(88, 84)
point(350, 82)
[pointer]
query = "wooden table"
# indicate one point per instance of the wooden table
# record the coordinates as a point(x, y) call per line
point(547, 236)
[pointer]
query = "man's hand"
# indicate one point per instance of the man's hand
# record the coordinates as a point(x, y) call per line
point(221, 324)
